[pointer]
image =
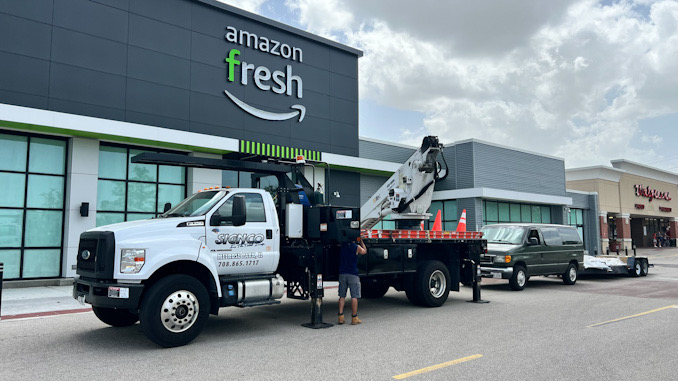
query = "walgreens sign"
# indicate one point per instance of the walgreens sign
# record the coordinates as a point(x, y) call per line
point(651, 193)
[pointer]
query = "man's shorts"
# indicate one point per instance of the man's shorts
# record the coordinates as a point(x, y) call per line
point(349, 281)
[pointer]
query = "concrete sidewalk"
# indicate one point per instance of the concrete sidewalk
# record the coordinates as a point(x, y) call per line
point(38, 301)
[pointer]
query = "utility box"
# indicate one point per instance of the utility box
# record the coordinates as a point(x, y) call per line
point(294, 220)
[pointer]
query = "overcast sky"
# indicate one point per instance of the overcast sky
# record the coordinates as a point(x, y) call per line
point(588, 81)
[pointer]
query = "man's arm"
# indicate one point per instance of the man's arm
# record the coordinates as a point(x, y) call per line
point(361, 248)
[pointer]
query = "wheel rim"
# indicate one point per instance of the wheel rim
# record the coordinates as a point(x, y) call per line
point(638, 269)
point(437, 284)
point(521, 278)
point(179, 311)
point(572, 274)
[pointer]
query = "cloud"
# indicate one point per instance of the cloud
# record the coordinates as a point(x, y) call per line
point(566, 78)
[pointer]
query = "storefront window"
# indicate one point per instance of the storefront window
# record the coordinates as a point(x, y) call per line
point(505, 212)
point(129, 191)
point(577, 220)
point(32, 184)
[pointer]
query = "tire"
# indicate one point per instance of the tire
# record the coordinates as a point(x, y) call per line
point(570, 275)
point(519, 278)
point(637, 269)
point(373, 288)
point(116, 317)
point(644, 267)
point(432, 284)
point(175, 311)
point(408, 285)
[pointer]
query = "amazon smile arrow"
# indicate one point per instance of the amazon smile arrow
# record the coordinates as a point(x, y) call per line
point(267, 115)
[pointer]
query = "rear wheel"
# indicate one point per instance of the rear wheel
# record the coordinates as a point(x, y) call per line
point(637, 269)
point(373, 288)
point(570, 275)
point(432, 285)
point(175, 311)
point(115, 317)
point(644, 267)
point(518, 279)
point(408, 286)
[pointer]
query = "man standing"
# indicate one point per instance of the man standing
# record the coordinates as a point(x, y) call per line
point(349, 279)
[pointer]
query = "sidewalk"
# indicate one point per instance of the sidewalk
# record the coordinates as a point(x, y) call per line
point(38, 301)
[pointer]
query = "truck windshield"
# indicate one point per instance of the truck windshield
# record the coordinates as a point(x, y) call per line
point(196, 205)
point(503, 234)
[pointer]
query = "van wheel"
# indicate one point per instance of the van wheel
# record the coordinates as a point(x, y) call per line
point(644, 267)
point(518, 279)
point(432, 285)
point(570, 275)
point(373, 288)
point(175, 311)
point(115, 317)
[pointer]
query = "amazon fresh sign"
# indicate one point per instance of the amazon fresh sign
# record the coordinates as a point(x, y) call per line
point(281, 81)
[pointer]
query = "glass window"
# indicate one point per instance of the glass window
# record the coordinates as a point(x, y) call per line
point(171, 174)
point(546, 214)
point(570, 236)
point(41, 263)
point(11, 222)
point(12, 263)
point(492, 214)
point(12, 189)
point(515, 213)
point(141, 172)
point(229, 179)
point(47, 156)
point(45, 191)
point(141, 197)
point(580, 216)
point(13, 152)
point(255, 207)
point(111, 195)
point(109, 218)
point(112, 162)
point(504, 212)
point(450, 211)
point(245, 180)
point(43, 228)
point(552, 237)
point(435, 207)
point(525, 213)
point(536, 214)
point(172, 194)
point(450, 226)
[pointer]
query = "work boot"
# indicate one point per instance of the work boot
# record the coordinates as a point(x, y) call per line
point(355, 320)
point(341, 319)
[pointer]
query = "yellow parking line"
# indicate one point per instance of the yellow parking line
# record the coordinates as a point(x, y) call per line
point(434, 367)
point(632, 316)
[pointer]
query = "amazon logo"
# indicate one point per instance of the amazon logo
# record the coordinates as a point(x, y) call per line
point(278, 81)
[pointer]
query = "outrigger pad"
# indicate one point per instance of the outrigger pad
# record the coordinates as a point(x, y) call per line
point(317, 325)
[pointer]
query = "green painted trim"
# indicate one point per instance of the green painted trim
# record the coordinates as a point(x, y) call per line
point(108, 137)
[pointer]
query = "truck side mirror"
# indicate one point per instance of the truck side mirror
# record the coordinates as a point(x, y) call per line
point(239, 210)
point(167, 207)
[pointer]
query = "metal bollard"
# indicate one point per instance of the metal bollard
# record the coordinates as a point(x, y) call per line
point(626, 251)
point(634, 250)
point(2, 269)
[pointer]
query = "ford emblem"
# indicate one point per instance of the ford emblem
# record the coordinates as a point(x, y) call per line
point(85, 254)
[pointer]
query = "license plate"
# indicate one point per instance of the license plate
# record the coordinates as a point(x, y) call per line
point(496, 275)
point(81, 299)
point(118, 292)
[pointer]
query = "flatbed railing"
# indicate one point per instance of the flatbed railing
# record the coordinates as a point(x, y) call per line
point(418, 234)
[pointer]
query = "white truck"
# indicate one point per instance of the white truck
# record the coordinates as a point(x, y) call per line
point(246, 247)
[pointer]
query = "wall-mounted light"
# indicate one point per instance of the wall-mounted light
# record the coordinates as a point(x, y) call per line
point(84, 209)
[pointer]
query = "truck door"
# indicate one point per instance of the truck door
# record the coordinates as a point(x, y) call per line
point(252, 248)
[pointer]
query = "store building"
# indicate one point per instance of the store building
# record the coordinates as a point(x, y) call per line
point(635, 203)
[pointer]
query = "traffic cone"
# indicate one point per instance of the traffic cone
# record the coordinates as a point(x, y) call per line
point(421, 225)
point(437, 224)
point(461, 226)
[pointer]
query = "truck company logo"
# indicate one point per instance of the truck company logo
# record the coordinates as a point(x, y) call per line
point(278, 81)
point(651, 193)
point(240, 239)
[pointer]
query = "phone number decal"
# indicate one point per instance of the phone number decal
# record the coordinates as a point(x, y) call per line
point(253, 262)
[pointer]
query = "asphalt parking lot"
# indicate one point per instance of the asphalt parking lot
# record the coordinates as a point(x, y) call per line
point(605, 328)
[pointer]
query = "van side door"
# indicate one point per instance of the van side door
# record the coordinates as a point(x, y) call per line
point(252, 248)
point(555, 254)
point(532, 254)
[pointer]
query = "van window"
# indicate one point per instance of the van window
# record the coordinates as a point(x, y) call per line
point(503, 234)
point(552, 237)
point(570, 236)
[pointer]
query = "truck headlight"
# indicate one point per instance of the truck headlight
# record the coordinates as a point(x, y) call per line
point(132, 260)
point(502, 259)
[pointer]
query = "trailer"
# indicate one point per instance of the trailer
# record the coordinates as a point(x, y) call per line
point(635, 266)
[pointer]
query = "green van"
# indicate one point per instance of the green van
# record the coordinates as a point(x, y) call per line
point(518, 251)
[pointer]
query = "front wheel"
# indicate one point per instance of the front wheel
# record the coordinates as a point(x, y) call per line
point(637, 269)
point(518, 279)
point(570, 275)
point(175, 311)
point(115, 317)
point(432, 284)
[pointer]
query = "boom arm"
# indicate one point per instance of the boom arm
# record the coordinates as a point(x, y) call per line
point(407, 194)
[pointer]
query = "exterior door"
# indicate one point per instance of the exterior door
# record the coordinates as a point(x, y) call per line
point(252, 248)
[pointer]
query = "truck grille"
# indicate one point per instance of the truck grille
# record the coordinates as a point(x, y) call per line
point(96, 255)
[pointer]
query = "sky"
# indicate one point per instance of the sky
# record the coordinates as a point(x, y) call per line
point(586, 80)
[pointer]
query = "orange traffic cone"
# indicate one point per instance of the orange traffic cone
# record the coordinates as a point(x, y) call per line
point(461, 226)
point(437, 224)
point(421, 225)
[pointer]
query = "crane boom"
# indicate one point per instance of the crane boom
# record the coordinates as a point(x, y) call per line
point(407, 194)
